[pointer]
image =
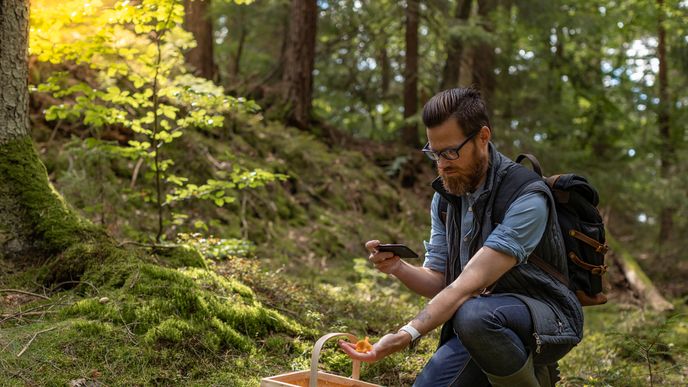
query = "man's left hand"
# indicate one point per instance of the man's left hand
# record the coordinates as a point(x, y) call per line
point(389, 344)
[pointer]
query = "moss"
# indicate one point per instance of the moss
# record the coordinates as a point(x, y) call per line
point(94, 328)
point(50, 224)
point(172, 330)
point(182, 256)
point(186, 306)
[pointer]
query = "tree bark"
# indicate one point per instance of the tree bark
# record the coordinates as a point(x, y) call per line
point(197, 21)
point(300, 61)
point(35, 222)
point(667, 151)
point(236, 69)
point(484, 57)
point(14, 97)
point(409, 132)
point(451, 73)
point(385, 71)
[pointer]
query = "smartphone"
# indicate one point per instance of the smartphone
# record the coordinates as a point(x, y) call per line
point(402, 251)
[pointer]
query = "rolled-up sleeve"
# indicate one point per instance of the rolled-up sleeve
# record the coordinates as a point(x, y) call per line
point(523, 226)
point(436, 247)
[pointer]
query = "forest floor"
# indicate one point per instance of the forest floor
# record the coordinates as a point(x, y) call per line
point(52, 339)
point(241, 310)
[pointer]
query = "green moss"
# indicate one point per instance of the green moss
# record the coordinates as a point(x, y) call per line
point(182, 256)
point(218, 284)
point(51, 225)
point(94, 328)
point(172, 330)
point(186, 306)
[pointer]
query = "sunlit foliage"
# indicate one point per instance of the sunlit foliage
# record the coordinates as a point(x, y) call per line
point(121, 64)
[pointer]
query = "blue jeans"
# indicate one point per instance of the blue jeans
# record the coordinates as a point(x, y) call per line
point(493, 333)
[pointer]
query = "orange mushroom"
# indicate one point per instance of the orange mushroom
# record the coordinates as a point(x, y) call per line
point(363, 346)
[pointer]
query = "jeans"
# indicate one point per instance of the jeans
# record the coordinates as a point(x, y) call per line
point(493, 333)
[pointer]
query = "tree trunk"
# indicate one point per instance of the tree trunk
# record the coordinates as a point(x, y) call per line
point(409, 132)
point(451, 73)
point(638, 281)
point(385, 71)
point(197, 21)
point(484, 57)
point(300, 61)
point(667, 152)
point(236, 69)
point(35, 222)
point(14, 96)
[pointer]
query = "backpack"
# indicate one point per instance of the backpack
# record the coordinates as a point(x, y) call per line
point(581, 226)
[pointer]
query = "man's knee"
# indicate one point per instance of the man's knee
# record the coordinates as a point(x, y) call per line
point(473, 320)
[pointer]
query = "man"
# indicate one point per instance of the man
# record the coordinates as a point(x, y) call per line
point(506, 322)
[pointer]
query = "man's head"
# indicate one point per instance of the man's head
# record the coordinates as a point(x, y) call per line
point(458, 118)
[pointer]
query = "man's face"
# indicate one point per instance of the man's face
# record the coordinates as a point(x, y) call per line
point(466, 173)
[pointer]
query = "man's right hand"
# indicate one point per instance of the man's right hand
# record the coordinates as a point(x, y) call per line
point(384, 261)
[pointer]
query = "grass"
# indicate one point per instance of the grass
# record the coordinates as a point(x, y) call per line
point(624, 345)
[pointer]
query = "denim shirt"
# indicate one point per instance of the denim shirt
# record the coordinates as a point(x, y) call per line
point(518, 235)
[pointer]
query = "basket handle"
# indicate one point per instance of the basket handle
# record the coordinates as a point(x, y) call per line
point(316, 357)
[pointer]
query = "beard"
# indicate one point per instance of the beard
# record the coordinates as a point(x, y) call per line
point(459, 182)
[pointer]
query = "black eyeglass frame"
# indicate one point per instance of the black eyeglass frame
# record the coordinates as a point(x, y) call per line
point(435, 156)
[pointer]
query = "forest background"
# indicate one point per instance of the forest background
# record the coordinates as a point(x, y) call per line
point(218, 165)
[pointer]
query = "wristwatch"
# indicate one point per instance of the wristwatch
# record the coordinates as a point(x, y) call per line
point(413, 332)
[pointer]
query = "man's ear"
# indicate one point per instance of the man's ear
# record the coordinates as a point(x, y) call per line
point(485, 135)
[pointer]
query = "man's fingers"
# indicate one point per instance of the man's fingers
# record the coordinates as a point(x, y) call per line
point(350, 349)
point(380, 257)
point(372, 245)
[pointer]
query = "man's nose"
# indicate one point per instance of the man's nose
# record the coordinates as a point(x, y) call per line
point(442, 163)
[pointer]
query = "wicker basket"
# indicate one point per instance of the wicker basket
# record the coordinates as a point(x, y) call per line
point(316, 378)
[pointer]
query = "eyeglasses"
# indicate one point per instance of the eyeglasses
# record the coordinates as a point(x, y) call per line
point(449, 153)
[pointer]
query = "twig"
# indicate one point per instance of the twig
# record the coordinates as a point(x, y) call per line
point(33, 338)
point(148, 245)
point(130, 335)
point(136, 278)
point(21, 313)
point(29, 313)
point(135, 174)
point(24, 292)
point(74, 282)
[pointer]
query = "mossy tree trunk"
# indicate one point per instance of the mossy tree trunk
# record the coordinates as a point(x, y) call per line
point(638, 281)
point(35, 222)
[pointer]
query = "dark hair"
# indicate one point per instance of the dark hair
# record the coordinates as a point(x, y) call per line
point(462, 104)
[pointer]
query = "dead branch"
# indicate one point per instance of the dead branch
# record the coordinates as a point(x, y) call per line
point(22, 313)
point(41, 313)
point(32, 339)
point(74, 282)
point(24, 292)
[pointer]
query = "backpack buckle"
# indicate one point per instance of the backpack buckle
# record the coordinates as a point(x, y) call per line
point(599, 270)
point(602, 249)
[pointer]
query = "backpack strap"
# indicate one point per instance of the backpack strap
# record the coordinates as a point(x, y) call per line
point(517, 178)
point(549, 269)
point(533, 160)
